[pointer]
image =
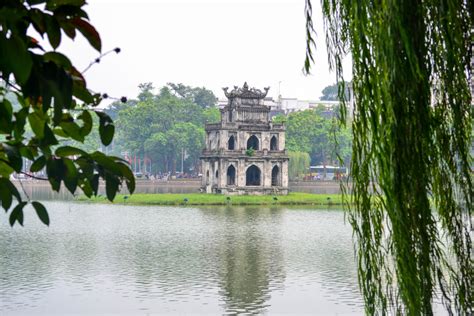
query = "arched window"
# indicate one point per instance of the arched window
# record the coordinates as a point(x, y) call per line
point(217, 173)
point(207, 177)
point(230, 116)
point(275, 176)
point(253, 175)
point(231, 143)
point(231, 175)
point(252, 142)
point(274, 143)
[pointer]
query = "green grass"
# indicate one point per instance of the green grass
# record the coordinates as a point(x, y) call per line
point(219, 199)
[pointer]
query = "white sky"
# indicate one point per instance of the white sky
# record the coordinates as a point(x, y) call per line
point(203, 43)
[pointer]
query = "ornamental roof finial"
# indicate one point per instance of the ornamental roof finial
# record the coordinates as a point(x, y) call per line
point(245, 92)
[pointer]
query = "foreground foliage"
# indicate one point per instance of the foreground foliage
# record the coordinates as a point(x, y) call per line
point(412, 125)
point(53, 102)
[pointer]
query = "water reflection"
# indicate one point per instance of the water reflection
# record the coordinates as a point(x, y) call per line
point(250, 256)
point(216, 260)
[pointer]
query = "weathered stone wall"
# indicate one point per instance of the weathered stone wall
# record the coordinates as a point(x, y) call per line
point(243, 118)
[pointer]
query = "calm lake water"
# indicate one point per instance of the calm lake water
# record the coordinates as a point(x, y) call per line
point(113, 259)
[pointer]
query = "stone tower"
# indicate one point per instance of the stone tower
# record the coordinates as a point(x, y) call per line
point(245, 153)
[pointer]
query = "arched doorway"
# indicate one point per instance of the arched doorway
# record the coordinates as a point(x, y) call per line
point(252, 142)
point(231, 175)
point(231, 143)
point(275, 176)
point(274, 143)
point(253, 175)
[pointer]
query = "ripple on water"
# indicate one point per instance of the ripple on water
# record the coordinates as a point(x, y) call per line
point(178, 260)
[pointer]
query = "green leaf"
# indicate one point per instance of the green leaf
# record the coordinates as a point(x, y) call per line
point(87, 126)
point(128, 175)
point(82, 93)
point(53, 30)
point(55, 170)
point(86, 165)
point(66, 151)
point(38, 164)
point(14, 157)
point(17, 214)
point(14, 191)
point(68, 28)
point(57, 82)
point(59, 131)
point(5, 169)
point(95, 183)
point(37, 123)
point(59, 59)
point(28, 152)
point(85, 187)
point(6, 195)
point(20, 121)
point(6, 112)
point(37, 18)
point(106, 128)
point(15, 57)
point(107, 162)
point(72, 130)
point(7, 191)
point(49, 138)
point(111, 186)
point(70, 178)
point(41, 212)
point(89, 33)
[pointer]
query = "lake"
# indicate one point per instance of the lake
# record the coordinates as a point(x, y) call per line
point(141, 260)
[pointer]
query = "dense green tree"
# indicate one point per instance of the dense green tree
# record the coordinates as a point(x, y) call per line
point(308, 131)
point(54, 103)
point(201, 96)
point(146, 91)
point(413, 190)
point(331, 93)
point(164, 127)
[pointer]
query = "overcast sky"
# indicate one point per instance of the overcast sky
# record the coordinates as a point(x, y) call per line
point(203, 43)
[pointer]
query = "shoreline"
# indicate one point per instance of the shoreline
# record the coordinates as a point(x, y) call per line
point(294, 198)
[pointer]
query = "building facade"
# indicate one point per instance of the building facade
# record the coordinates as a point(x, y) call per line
point(245, 152)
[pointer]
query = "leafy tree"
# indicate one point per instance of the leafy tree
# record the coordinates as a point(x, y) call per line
point(200, 96)
point(211, 115)
point(308, 131)
point(164, 126)
point(298, 165)
point(115, 107)
point(412, 125)
point(331, 93)
point(54, 102)
point(146, 91)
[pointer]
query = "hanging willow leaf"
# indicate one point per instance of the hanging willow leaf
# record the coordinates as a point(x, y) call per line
point(412, 183)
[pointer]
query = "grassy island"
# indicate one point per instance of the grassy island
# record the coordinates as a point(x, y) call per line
point(218, 199)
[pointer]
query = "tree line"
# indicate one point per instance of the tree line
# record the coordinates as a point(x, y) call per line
point(163, 132)
point(314, 137)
